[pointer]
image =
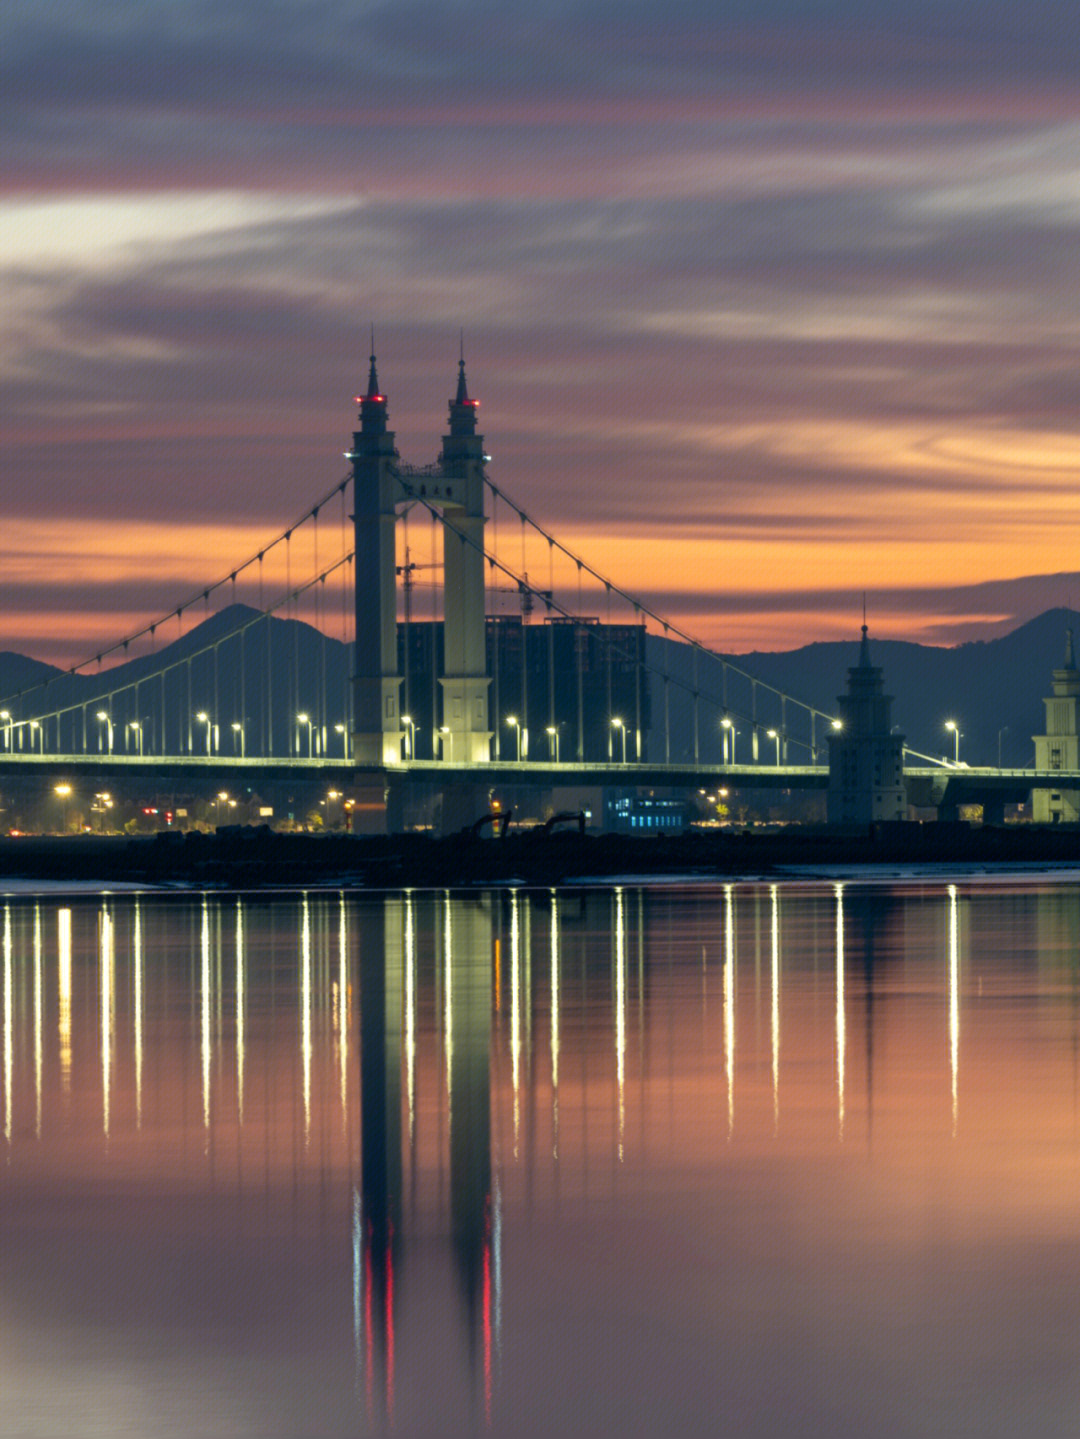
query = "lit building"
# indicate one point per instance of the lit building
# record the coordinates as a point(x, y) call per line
point(1058, 747)
point(866, 760)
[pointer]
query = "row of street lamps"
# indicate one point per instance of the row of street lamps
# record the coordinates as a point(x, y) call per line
point(728, 732)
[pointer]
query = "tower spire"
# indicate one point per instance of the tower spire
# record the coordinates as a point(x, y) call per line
point(1070, 662)
point(462, 407)
point(373, 413)
point(373, 391)
point(864, 648)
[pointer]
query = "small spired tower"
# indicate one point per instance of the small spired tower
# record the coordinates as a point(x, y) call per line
point(376, 490)
point(1059, 747)
point(866, 760)
point(467, 733)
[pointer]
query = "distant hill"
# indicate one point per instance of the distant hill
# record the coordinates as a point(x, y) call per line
point(985, 686)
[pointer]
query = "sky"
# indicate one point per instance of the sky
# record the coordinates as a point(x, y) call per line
point(767, 306)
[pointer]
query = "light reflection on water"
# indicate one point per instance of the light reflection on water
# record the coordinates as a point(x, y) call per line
point(749, 1160)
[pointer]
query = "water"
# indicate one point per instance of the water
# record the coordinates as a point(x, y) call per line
point(745, 1160)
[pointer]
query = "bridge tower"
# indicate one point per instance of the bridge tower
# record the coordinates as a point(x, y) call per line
point(466, 730)
point(377, 729)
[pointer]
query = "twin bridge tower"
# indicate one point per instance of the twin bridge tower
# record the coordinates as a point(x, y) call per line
point(454, 485)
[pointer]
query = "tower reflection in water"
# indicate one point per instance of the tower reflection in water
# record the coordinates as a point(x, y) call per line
point(427, 1060)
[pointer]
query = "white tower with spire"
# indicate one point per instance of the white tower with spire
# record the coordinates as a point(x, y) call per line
point(1059, 747)
point(464, 681)
point(866, 760)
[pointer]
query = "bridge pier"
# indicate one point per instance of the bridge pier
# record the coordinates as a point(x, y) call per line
point(379, 803)
point(993, 811)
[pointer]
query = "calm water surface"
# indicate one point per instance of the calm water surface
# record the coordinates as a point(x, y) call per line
point(745, 1160)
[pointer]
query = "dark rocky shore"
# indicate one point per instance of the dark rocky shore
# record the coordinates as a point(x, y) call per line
point(246, 858)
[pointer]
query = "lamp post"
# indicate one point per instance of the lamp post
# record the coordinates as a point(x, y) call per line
point(37, 725)
point(5, 715)
point(774, 734)
point(513, 720)
point(444, 735)
point(105, 719)
point(342, 730)
point(137, 727)
point(331, 795)
point(64, 793)
point(552, 732)
point(304, 719)
point(238, 735)
point(955, 728)
point(410, 736)
point(727, 736)
point(621, 727)
point(102, 805)
point(204, 718)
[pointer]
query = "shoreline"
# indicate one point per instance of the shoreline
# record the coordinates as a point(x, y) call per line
point(254, 858)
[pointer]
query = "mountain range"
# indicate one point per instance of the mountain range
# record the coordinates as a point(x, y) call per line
point(992, 689)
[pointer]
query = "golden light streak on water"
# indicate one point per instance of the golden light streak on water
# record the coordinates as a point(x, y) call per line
point(204, 1012)
point(343, 1009)
point(241, 1002)
point(410, 1009)
point(63, 984)
point(729, 1003)
point(620, 1011)
point(305, 1013)
point(137, 951)
point(555, 1020)
point(954, 1002)
point(841, 1014)
point(448, 1002)
point(9, 1037)
point(39, 1047)
point(774, 1014)
point(106, 942)
point(515, 1012)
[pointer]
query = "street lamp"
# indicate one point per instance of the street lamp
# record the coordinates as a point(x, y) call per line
point(238, 734)
point(621, 727)
point(513, 720)
point(552, 732)
point(36, 725)
point(137, 727)
point(64, 791)
point(331, 795)
point(773, 734)
point(444, 734)
point(204, 718)
point(410, 726)
point(727, 736)
point(105, 719)
point(344, 733)
point(955, 728)
point(104, 803)
point(5, 715)
point(304, 719)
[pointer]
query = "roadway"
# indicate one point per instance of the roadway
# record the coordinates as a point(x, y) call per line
point(684, 774)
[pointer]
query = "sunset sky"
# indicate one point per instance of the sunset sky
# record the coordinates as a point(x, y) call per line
point(766, 305)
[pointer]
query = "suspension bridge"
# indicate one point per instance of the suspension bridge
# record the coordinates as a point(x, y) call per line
point(416, 624)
